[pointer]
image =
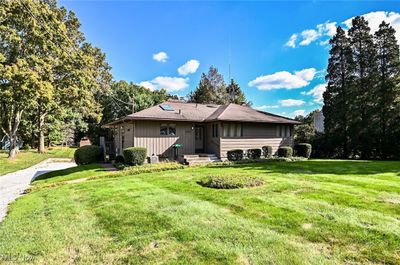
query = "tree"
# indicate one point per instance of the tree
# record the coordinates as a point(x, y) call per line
point(236, 94)
point(337, 95)
point(364, 71)
point(211, 89)
point(387, 88)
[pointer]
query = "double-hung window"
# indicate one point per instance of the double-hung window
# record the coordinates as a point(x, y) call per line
point(232, 130)
point(167, 129)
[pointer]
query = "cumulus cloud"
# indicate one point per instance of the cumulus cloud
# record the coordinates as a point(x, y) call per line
point(265, 107)
point(323, 32)
point(292, 41)
point(299, 112)
point(171, 84)
point(291, 102)
point(317, 93)
point(189, 67)
point(284, 80)
point(160, 57)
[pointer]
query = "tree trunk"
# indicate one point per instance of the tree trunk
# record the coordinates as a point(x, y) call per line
point(11, 133)
point(12, 153)
point(41, 148)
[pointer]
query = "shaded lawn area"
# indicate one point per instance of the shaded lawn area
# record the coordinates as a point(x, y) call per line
point(27, 159)
point(307, 212)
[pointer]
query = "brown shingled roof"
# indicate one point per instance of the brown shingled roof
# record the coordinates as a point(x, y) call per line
point(183, 111)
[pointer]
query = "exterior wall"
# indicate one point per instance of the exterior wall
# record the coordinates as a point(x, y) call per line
point(123, 136)
point(147, 134)
point(257, 136)
point(212, 143)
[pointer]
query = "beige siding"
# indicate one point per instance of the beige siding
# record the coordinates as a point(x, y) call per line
point(147, 134)
point(246, 143)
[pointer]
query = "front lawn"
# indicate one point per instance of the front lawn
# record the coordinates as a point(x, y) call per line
point(306, 212)
point(26, 159)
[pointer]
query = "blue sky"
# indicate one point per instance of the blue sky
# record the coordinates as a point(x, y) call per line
point(147, 41)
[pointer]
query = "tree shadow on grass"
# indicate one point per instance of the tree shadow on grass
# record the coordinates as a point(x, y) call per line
point(40, 175)
point(337, 167)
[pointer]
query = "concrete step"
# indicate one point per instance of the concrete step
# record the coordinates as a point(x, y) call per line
point(201, 158)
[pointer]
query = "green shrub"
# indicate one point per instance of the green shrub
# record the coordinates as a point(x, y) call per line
point(254, 153)
point(235, 155)
point(230, 182)
point(26, 147)
point(135, 155)
point(303, 149)
point(87, 155)
point(119, 159)
point(119, 166)
point(267, 151)
point(285, 151)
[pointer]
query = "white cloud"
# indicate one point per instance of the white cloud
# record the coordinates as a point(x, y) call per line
point(317, 93)
point(189, 67)
point(292, 41)
point(160, 57)
point(308, 35)
point(264, 107)
point(284, 80)
point(299, 112)
point(291, 102)
point(323, 32)
point(171, 84)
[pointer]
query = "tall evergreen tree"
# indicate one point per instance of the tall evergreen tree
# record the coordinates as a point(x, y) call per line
point(211, 89)
point(388, 90)
point(336, 97)
point(235, 93)
point(364, 70)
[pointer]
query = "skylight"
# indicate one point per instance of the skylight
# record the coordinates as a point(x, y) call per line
point(166, 107)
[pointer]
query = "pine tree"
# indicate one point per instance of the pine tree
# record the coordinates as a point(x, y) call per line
point(336, 97)
point(387, 89)
point(235, 93)
point(364, 69)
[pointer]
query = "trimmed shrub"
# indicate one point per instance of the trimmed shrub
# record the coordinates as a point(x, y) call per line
point(303, 149)
point(87, 155)
point(135, 155)
point(267, 151)
point(235, 155)
point(254, 153)
point(285, 151)
point(119, 159)
point(230, 182)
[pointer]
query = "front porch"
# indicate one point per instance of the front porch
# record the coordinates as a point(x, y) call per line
point(198, 159)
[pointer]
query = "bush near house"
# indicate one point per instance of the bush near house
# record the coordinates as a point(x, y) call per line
point(285, 151)
point(235, 155)
point(267, 151)
point(87, 155)
point(254, 153)
point(303, 149)
point(135, 155)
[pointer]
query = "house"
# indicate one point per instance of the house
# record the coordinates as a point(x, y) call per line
point(200, 128)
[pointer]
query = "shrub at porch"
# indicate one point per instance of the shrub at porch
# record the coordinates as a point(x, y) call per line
point(303, 149)
point(87, 155)
point(135, 155)
point(119, 159)
point(267, 151)
point(235, 155)
point(230, 182)
point(285, 151)
point(254, 153)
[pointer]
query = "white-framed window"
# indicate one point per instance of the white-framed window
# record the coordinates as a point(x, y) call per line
point(167, 129)
point(232, 129)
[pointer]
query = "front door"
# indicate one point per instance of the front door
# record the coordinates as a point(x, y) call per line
point(199, 139)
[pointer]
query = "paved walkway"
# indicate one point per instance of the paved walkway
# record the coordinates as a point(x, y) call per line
point(13, 185)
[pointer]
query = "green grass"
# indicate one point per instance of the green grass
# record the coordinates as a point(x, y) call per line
point(26, 159)
point(307, 212)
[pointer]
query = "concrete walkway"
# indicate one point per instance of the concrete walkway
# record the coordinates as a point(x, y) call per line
point(13, 185)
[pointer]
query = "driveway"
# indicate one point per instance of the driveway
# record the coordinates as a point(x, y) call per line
point(13, 185)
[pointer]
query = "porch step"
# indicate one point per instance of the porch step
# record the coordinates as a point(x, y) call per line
point(200, 159)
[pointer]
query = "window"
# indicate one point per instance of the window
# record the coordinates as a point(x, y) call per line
point(215, 130)
point(167, 129)
point(232, 130)
point(284, 131)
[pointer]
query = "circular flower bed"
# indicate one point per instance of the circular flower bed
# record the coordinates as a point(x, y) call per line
point(230, 182)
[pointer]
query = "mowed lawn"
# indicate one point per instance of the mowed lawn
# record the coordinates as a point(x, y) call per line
point(26, 159)
point(307, 212)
